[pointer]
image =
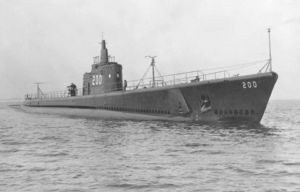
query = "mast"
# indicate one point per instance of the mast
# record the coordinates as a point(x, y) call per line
point(38, 89)
point(103, 53)
point(153, 65)
point(270, 59)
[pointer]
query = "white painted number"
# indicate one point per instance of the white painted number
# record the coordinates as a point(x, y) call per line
point(244, 85)
point(100, 79)
point(249, 84)
point(254, 84)
point(97, 79)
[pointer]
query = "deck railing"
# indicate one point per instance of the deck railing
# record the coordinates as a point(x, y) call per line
point(168, 80)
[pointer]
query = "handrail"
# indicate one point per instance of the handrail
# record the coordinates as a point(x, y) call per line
point(167, 80)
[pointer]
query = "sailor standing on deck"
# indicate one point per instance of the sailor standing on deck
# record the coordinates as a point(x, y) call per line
point(72, 89)
point(125, 85)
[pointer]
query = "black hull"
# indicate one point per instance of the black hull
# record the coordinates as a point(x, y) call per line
point(236, 99)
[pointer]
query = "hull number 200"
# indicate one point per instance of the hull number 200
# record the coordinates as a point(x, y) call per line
point(249, 84)
point(97, 80)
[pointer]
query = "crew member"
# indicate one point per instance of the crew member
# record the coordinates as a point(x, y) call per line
point(125, 85)
point(72, 89)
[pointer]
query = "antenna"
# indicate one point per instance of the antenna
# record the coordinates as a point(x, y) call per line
point(153, 65)
point(270, 59)
point(153, 75)
point(38, 89)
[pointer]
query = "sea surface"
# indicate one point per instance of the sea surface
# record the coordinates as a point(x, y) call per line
point(40, 152)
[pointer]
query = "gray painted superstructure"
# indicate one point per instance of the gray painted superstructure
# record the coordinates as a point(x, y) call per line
point(231, 99)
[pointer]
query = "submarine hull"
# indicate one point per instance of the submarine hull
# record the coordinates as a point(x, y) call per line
point(235, 99)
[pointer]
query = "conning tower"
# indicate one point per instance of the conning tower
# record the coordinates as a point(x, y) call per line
point(105, 76)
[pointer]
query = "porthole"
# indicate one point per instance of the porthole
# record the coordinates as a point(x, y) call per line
point(169, 112)
point(225, 112)
point(246, 112)
point(252, 112)
point(216, 112)
point(230, 112)
point(235, 112)
point(156, 111)
point(221, 112)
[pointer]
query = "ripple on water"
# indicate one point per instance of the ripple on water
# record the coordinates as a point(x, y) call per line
point(51, 154)
point(61, 153)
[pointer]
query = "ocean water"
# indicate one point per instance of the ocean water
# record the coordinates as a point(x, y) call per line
point(40, 152)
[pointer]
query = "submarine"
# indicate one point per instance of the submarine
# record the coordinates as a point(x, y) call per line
point(192, 96)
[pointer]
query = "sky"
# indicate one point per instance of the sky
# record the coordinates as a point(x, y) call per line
point(54, 42)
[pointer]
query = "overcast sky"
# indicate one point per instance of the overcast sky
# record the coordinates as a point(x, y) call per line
point(54, 42)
